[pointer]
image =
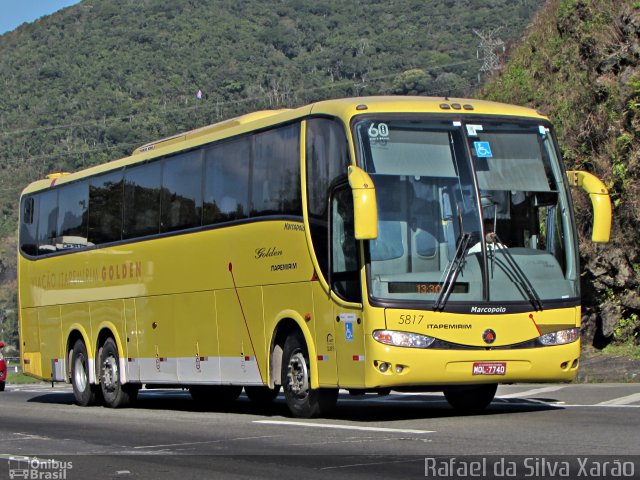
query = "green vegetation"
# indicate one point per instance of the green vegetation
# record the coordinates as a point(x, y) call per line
point(20, 378)
point(96, 80)
point(629, 349)
point(626, 330)
point(580, 63)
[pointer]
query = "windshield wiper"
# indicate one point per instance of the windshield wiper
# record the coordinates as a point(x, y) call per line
point(513, 271)
point(452, 271)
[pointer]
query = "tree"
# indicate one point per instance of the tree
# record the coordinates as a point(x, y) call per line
point(412, 82)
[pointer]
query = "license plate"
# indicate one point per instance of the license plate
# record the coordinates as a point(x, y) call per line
point(489, 368)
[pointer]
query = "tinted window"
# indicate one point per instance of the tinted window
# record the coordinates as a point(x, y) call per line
point(327, 156)
point(73, 219)
point(29, 227)
point(275, 185)
point(344, 248)
point(254, 175)
point(105, 208)
point(226, 188)
point(142, 200)
point(182, 192)
point(47, 222)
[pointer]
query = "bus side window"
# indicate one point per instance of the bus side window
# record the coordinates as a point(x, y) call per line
point(105, 208)
point(275, 176)
point(142, 201)
point(226, 183)
point(28, 228)
point(327, 157)
point(72, 218)
point(47, 222)
point(182, 192)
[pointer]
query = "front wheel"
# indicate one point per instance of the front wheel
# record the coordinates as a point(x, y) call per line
point(84, 392)
point(115, 394)
point(302, 400)
point(471, 398)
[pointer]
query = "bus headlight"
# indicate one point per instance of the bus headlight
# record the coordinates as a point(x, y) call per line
point(561, 337)
point(403, 339)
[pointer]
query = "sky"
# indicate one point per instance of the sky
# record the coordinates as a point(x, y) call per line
point(14, 13)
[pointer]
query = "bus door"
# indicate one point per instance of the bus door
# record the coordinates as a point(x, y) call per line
point(345, 284)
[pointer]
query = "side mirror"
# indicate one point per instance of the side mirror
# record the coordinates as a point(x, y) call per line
point(365, 208)
point(600, 200)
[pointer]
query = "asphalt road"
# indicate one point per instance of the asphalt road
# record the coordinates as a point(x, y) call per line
point(167, 435)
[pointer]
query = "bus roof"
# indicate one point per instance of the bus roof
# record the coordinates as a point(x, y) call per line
point(344, 108)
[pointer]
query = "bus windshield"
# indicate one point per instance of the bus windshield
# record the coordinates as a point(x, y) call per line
point(467, 212)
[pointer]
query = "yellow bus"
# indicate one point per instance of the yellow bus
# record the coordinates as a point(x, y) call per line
point(366, 244)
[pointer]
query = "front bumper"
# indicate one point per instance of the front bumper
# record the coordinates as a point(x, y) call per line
point(413, 367)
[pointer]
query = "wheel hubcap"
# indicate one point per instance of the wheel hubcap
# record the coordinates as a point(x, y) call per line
point(298, 375)
point(80, 374)
point(109, 373)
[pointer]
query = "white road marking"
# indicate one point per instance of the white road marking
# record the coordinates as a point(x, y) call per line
point(635, 397)
point(28, 436)
point(341, 427)
point(39, 388)
point(202, 443)
point(44, 392)
point(357, 465)
point(535, 391)
point(564, 405)
point(16, 456)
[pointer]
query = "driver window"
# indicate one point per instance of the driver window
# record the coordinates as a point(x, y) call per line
point(345, 274)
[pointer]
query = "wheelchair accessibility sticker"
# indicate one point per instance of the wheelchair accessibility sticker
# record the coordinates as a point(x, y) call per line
point(348, 319)
point(483, 149)
point(348, 331)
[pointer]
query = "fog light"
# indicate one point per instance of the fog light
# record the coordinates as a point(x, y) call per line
point(383, 367)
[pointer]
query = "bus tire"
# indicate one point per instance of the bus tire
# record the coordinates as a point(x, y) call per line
point(262, 395)
point(84, 392)
point(302, 400)
point(470, 398)
point(215, 394)
point(114, 393)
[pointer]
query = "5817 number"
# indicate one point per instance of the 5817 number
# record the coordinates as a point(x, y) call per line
point(410, 319)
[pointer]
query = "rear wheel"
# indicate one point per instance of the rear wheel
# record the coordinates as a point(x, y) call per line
point(84, 392)
point(1, 386)
point(471, 398)
point(302, 400)
point(262, 395)
point(215, 394)
point(115, 394)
